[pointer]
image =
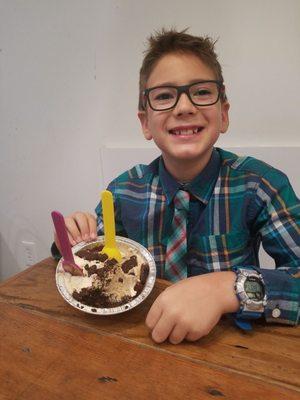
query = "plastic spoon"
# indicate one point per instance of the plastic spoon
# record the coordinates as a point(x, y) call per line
point(110, 248)
point(65, 247)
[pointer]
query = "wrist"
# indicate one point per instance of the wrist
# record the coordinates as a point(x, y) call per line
point(230, 302)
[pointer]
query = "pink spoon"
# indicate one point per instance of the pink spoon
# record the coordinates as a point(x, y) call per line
point(65, 247)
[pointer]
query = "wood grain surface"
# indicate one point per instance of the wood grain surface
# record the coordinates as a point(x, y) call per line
point(50, 350)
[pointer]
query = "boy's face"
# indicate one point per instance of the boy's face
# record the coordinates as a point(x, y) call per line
point(182, 69)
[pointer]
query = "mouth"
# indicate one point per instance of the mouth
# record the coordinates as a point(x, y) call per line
point(186, 131)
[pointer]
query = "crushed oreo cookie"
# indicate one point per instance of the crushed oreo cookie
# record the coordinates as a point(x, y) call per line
point(92, 253)
point(111, 262)
point(129, 264)
point(138, 287)
point(91, 270)
point(144, 273)
point(104, 272)
point(93, 297)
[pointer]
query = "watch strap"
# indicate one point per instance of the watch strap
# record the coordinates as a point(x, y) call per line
point(248, 314)
point(243, 324)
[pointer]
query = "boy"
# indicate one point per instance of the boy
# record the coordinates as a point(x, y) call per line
point(201, 211)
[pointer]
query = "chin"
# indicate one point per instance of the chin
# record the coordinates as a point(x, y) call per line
point(191, 154)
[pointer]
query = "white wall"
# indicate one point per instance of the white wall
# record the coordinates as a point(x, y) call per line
point(65, 65)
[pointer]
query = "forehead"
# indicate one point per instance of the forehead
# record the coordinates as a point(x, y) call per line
point(179, 69)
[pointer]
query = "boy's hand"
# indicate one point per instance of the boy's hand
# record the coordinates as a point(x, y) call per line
point(81, 226)
point(191, 308)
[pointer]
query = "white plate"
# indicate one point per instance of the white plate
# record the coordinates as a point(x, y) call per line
point(62, 288)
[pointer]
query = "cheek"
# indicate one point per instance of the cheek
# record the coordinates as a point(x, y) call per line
point(215, 118)
point(157, 122)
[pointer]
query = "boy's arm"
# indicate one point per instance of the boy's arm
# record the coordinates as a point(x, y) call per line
point(278, 224)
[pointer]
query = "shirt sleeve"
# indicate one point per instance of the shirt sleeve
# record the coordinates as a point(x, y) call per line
point(112, 187)
point(278, 225)
point(55, 252)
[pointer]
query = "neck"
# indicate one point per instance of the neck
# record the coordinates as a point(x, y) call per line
point(186, 170)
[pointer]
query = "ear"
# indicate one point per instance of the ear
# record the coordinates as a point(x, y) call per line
point(143, 117)
point(225, 117)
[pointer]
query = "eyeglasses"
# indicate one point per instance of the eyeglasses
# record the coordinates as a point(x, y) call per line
point(162, 98)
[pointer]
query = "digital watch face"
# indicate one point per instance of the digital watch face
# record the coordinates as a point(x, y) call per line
point(254, 288)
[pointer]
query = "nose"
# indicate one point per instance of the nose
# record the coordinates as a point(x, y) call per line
point(184, 105)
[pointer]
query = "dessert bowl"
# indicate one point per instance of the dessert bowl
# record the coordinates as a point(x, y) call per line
point(63, 278)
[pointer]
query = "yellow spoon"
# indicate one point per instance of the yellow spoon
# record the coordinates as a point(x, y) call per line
point(110, 248)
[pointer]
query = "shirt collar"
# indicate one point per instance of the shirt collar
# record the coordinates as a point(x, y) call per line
point(201, 186)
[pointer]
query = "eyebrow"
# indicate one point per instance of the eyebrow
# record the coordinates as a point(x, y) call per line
point(189, 83)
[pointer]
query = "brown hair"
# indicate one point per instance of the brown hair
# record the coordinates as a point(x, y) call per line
point(171, 41)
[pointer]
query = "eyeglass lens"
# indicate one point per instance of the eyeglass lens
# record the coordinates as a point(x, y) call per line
point(203, 93)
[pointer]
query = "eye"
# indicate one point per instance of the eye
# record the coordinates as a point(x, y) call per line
point(201, 92)
point(161, 96)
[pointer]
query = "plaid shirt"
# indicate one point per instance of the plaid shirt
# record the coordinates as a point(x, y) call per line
point(237, 203)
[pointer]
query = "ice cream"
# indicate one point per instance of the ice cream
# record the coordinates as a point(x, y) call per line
point(106, 283)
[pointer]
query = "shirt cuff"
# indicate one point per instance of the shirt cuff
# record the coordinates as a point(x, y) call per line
point(283, 296)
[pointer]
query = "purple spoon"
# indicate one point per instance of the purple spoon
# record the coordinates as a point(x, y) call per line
point(61, 231)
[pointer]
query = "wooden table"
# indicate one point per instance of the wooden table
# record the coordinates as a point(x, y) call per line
point(50, 350)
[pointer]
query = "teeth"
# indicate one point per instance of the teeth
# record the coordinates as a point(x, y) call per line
point(185, 132)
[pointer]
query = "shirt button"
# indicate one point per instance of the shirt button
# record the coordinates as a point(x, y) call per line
point(276, 313)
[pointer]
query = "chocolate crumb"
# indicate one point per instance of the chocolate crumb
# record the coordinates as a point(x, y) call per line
point(98, 247)
point(138, 287)
point(100, 257)
point(82, 253)
point(110, 263)
point(93, 297)
point(89, 256)
point(103, 272)
point(144, 273)
point(129, 264)
point(91, 270)
point(121, 280)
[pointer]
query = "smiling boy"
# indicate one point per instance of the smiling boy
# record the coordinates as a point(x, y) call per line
point(185, 133)
point(201, 211)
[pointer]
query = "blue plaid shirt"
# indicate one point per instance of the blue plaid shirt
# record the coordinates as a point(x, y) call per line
point(236, 204)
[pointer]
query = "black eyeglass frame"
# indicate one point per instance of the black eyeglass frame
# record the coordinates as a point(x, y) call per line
point(180, 90)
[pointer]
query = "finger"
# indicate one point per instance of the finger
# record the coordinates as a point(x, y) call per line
point(178, 334)
point(163, 328)
point(83, 225)
point(71, 240)
point(192, 337)
point(92, 223)
point(73, 229)
point(72, 270)
point(154, 314)
point(195, 335)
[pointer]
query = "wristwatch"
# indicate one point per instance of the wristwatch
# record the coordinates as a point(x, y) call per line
point(250, 290)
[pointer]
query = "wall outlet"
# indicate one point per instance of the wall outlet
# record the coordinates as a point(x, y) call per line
point(29, 252)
